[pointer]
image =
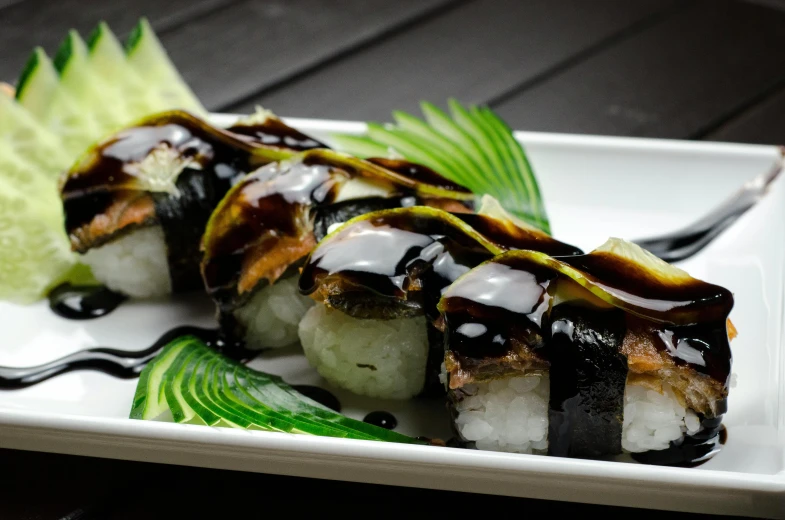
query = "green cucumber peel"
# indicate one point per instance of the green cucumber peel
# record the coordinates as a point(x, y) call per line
point(198, 385)
point(471, 146)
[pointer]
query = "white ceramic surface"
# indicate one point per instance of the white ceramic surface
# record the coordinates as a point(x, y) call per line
point(594, 187)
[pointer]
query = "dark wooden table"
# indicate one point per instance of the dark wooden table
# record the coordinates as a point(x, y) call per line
point(702, 69)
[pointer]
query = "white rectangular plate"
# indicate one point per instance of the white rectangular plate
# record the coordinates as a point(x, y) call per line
point(594, 187)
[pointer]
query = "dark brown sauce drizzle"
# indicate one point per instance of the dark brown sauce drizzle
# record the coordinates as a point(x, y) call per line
point(418, 172)
point(274, 132)
point(125, 364)
point(320, 395)
point(83, 302)
point(387, 254)
point(382, 419)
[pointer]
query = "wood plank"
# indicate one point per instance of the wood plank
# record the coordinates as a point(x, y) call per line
point(234, 53)
point(673, 80)
point(763, 123)
point(474, 52)
point(28, 23)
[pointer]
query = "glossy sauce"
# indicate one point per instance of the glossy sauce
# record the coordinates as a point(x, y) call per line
point(418, 172)
point(109, 170)
point(401, 260)
point(382, 419)
point(320, 395)
point(83, 302)
point(515, 301)
point(274, 132)
point(124, 364)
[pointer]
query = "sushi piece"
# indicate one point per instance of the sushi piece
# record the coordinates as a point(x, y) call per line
point(377, 281)
point(136, 203)
point(270, 221)
point(588, 356)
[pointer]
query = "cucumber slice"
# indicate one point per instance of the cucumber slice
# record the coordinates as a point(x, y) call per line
point(460, 160)
point(198, 401)
point(532, 205)
point(147, 56)
point(92, 94)
point(362, 147)
point(452, 130)
point(413, 149)
point(109, 62)
point(28, 138)
point(149, 402)
point(37, 83)
point(173, 383)
point(198, 385)
point(41, 93)
point(34, 253)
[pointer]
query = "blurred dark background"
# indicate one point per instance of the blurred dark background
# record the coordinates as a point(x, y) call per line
point(710, 69)
point(702, 69)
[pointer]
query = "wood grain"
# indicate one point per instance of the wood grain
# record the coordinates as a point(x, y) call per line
point(28, 23)
point(474, 52)
point(763, 123)
point(674, 79)
point(234, 53)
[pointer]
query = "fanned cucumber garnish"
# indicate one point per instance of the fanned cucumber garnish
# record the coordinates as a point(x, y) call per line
point(148, 58)
point(197, 385)
point(471, 146)
point(59, 108)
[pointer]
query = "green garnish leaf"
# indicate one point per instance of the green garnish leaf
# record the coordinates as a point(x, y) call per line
point(472, 146)
point(197, 385)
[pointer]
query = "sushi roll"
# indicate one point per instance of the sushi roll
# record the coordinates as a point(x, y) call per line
point(377, 281)
point(270, 221)
point(588, 356)
point(136, 203)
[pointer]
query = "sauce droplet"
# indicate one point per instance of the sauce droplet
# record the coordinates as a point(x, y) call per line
point(83, 302)
point(320, 395)
point(382, 419)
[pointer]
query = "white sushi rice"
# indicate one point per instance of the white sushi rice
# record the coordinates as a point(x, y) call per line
point(135, 264)
point(377, 358)
point(512, 415)
point(272, 315)
point(652, 419)
point(507, 414)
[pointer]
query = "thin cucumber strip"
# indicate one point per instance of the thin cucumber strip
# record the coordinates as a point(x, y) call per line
point(147, 402)
point(148, 57)
point(181, 411)
point(442, 124)
point(318, 410)
point(251, 396)
point(524, 168)
point(267, 391)
point(412, 150)
point(30, 139)
point(37, 83)
point(214, 388)
point(508, 173)
point(48, 102)
point(188, 389)
point(496, 181)
point(362, 147)
point(419, 128)
point(110, 63)
point(91, 93)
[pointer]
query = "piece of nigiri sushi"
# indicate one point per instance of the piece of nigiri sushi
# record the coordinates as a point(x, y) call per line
point(136, 203)
point(377, 280)
point(272, 219)
point(588, 356)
